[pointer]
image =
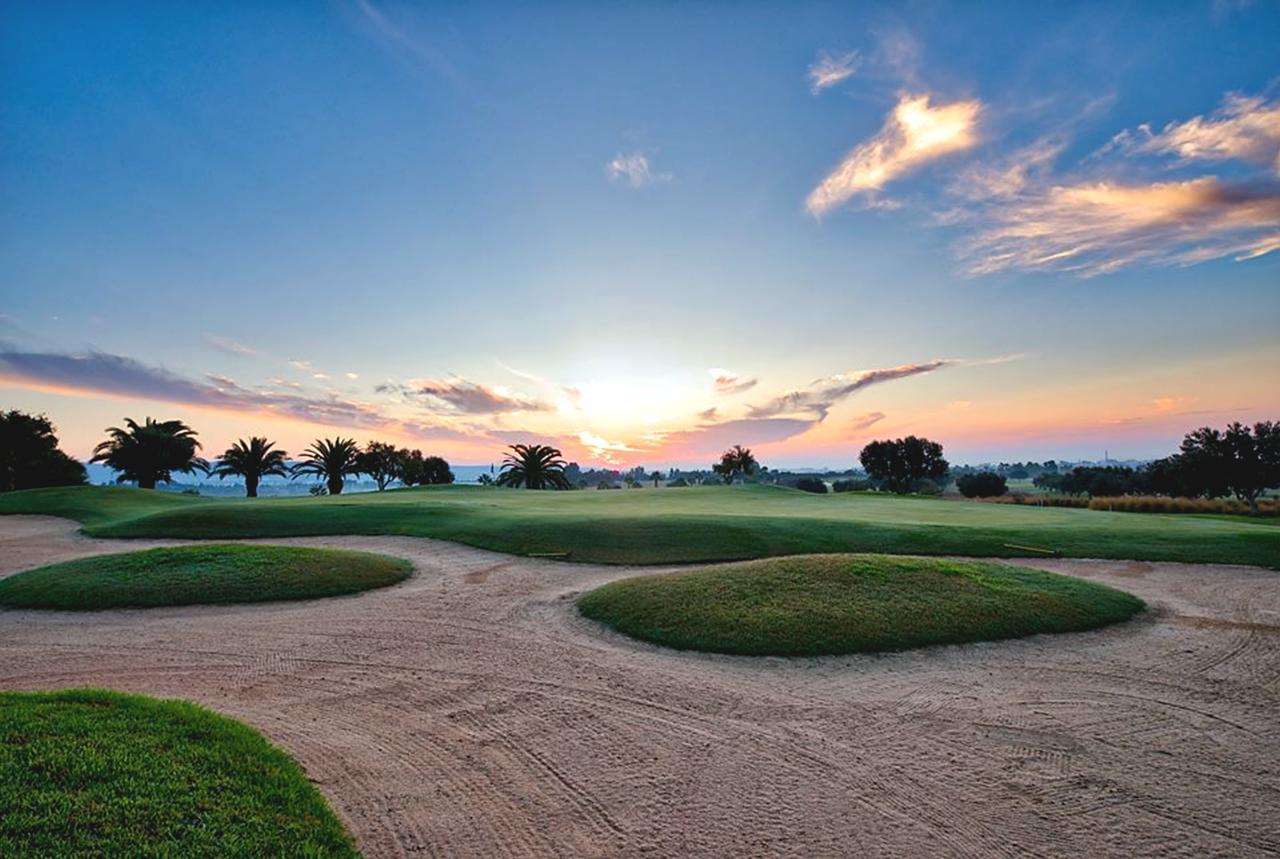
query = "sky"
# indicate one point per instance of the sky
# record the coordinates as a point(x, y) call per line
point(644, 232)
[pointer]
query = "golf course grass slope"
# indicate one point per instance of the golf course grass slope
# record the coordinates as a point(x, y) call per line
point(189, 575)
point(813, 605)
point(94, 773)
point(668, 524)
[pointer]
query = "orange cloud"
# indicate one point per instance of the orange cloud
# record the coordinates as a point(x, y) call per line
point(913, 134)
point(1245, 128)
point(1098, 227)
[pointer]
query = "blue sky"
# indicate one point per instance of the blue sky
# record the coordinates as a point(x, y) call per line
point(457, 225)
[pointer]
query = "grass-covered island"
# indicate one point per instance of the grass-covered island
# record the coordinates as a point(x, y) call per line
point(190, 575)
point(94, 773)
point(668, 525)
point(812, 605)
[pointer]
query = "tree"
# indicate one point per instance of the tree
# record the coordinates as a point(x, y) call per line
point(252, 460)
point(381, 461)
point(656, 477)
point(533, 466)
point(899, 464)
point(332, 460)
point(1242, 460)
point(150, 453)
point(422, 470)
point(735, 461)
point(1203, 457)
point(984, 484)
point(29, 454)
point(812, 484)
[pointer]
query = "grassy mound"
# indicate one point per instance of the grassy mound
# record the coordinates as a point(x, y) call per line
point(668, 525)
point(189, 575)
point(812, 605)
point(93, 773)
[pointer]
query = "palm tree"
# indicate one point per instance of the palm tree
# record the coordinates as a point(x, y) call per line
point(151, 452)
point(734, 461)
point(533, 466)
point(252, 461)
point(331, 460)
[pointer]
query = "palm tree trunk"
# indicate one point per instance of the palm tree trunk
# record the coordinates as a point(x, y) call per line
point(146, 483)
point(251, 487)
point(335, 485)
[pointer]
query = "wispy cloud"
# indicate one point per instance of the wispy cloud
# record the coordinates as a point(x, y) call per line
point(914, 134)
point(746, 431)
point(1244, 128)
point(634, 169)
point(1098, 227)
point(460, 396)
point(827, 71)
point(567, 395)
point(865, 422)
point(231, 347)
point(603, 448)
point(1009, 177)
point(729, 382)
point(823, 394)
point(101, 373)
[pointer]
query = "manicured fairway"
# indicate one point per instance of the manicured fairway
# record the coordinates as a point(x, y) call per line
point(94, 773)
point(811, 605)
point(189, 575)
point(644, 526)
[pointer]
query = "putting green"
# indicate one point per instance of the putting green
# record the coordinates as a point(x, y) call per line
point(189, 575)
point(813, 605)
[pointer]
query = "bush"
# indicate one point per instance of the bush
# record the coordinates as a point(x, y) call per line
point(855, 484)
point(1041, 500)
point(984, 484)
point(812, 484)
point(1158, 504)
point(679, 481)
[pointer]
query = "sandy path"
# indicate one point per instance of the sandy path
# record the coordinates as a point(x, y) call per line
point(470, 712)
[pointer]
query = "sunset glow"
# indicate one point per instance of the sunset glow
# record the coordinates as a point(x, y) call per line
point(793, 232)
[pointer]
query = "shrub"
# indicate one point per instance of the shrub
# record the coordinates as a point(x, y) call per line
point(1159, 504)
point(855, 484)
point(984, 484)
point(812, 484)
point(1040, 500)
point(679, 481)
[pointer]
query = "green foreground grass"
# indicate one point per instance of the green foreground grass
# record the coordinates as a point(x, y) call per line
point(669, 525)
point(190, 575)
point(94, 773)
point(813, 605)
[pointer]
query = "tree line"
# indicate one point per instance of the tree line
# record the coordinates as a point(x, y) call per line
point(152, 452)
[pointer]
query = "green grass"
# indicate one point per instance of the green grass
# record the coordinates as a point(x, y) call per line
point(812, 605)
point(189, 575)
point(668, 525)
point(94, 773)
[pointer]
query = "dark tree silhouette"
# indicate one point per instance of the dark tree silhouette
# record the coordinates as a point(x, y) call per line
point(736, 461)
point(897, 465)
point(252, 460)
point(1242, 460)
point(422, 470)
point(533, 466)
point(984, 484)
point(332, 460)
point(151, 452)
point(29, 455)
point(383, 462)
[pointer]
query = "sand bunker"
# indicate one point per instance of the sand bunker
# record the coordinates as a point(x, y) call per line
point(470, 711)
